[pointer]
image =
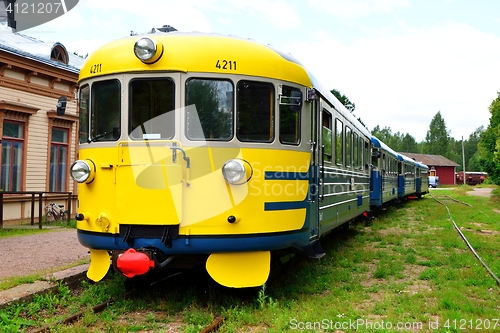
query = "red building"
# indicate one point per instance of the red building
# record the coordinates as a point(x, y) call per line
point(438, 166)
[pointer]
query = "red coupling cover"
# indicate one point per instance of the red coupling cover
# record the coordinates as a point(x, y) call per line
point(132, 263)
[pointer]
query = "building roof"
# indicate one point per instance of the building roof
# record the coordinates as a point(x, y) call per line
point(431, 160)
point(34, 49)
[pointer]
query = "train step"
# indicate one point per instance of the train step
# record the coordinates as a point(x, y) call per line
point(315, 252)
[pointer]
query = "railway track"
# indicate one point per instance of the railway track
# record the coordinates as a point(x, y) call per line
point(471, 248)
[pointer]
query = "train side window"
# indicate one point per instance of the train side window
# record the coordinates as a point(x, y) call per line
point(209, 109)
point(348, 147)
point(327, 136)
point(255, 111)
point(151, 106)
point(361, 153)
point(84, 113)
point(105, 111)
point(367, 154)
point(355, 154)
point(290, 106)
point(339, 142)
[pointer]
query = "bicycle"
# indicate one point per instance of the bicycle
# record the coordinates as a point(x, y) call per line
point(55, 212)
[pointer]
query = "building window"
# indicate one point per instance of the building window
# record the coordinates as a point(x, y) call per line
point(58, 160)
point(12, 156)
point(58, 53)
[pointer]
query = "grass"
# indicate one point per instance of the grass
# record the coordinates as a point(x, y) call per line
point(19, 228)
point(407, 270)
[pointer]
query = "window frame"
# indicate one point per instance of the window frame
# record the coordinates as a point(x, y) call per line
point(14, 140)
point(129, 125)
point(272, 104)
point(60, 175)
point(298, 115)
point(233, 113)
point(339, 136)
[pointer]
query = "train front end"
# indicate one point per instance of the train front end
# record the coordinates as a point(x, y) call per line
point(189, 148)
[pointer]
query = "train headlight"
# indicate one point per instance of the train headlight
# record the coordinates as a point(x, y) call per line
point(148, 50)
point(82, 171)
point(237, 171)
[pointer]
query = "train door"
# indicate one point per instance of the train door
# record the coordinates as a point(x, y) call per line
point(151, 163)
point(316, 151)
point(325, 159)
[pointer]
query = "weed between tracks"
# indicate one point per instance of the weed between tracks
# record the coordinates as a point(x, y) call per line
point(407, 271)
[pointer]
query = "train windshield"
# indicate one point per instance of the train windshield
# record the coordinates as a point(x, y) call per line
point(209, 109)
point(151, 113)
point(105, 111)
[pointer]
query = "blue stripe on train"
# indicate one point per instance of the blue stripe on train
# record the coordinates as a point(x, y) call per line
point(281, 175)
point(201, 244)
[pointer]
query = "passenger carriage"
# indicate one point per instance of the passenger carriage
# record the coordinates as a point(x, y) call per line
point(384, 174)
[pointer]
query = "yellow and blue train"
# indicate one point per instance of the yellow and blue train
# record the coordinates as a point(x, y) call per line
point(216, 149)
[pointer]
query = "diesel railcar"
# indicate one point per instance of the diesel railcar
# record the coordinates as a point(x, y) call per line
point(210, 148)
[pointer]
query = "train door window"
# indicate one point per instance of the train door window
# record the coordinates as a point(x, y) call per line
point(58, 160)
point(361, 153)
point(339, 142)
point(151, 108)
point(84, 113)
point(290, 107)
point(348, 147)
point(376, 158)
point(327, 136)
point(355, 153)
point(209, 109)
point(255, 111)
point(105, 111)
point(12, 156)
point(367, 154)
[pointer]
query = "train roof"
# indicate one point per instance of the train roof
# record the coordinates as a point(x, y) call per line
point(198, 52)
point(405, 158)
point(201, 52)
point(379, 144)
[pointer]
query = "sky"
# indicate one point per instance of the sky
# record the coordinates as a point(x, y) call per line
point(400, 61)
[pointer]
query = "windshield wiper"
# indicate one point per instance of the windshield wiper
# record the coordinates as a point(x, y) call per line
point(114, 131)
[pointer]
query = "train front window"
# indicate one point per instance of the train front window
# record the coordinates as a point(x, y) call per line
point(105, 111)
point(209, 109)
point(255, 118)
point(151, 113)
point(290, 106)
point(84, 113)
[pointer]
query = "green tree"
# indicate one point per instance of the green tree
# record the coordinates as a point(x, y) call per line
point(472, 152)
point(344, 100)
point(409, 144)
point(437, 139)
point(489, 144)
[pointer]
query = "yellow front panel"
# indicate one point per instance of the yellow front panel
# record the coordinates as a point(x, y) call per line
point(144, 186)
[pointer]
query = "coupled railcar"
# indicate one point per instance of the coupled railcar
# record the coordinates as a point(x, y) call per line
point(384, 183)
point(422, 184)
point(407, 176)
point(210, 148)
